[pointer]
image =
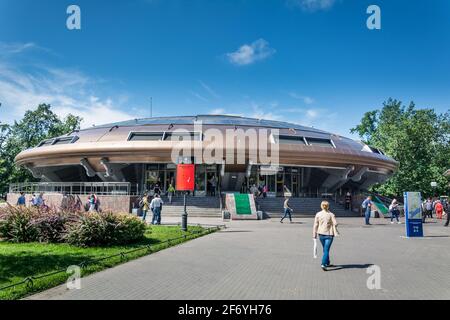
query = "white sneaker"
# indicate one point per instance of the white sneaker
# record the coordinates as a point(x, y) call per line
point(399, 222)
point(392, 222)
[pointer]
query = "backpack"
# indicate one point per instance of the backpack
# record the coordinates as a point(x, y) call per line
point(364, 204)
point(141, 204)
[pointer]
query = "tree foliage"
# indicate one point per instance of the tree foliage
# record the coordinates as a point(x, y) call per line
point(36, 126)
point(417, 138)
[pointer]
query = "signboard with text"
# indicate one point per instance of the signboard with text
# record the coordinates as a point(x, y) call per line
point(413, 214)
point(185, 177)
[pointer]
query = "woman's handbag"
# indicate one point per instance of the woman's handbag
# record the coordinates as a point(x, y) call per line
point(315, 249)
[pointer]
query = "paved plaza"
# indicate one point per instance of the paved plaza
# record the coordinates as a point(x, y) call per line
point(269, 260)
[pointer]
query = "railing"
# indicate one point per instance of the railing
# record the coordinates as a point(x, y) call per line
point(81, 188)
point(150, 248)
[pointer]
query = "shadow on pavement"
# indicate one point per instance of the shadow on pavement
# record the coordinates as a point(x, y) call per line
point(349, 266)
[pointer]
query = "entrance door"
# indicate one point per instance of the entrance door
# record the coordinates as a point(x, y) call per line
point(170, 179)
point(280, 184)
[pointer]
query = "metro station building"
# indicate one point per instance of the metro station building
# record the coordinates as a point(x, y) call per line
point(138, 152)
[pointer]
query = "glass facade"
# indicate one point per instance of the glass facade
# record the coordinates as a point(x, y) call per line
point(298, 181)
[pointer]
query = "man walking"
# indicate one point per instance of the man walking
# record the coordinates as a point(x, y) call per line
point(367, 207)
point(156, 205)
point(287, 210)
point(170, 192)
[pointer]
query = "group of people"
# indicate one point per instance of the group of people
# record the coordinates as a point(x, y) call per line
point(93, 203)
point(155, 205)
point(394, 210)
point(157, 191)
point(37, 200)
point(259, 191)
point(325, 224)
point(439, 207)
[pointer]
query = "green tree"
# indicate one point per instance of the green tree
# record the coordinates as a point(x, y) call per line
point(36, 126)
point(417, 138)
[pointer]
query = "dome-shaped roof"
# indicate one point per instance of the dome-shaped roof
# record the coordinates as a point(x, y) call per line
point(212, 120)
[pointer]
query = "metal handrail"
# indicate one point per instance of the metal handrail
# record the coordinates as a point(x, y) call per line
point(28, 281)
point(81, 188)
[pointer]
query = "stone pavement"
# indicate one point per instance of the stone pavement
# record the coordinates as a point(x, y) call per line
point(269, 260)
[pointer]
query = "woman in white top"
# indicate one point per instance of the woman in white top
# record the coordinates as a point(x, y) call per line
point(394, 210)
point(325, 225)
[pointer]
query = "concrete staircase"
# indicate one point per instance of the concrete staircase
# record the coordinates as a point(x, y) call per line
point(273, 207)
point(308, 207)
point(196, 207)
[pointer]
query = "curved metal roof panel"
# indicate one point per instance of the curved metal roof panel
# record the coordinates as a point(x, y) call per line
point(211, 120)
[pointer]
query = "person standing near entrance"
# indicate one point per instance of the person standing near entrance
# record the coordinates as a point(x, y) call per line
point(348, 201)
point(213, 183)
point(367, 207)
point(170, 192)
point(265, 190)
point(157, 189)
point(287, 210)
point(155, 206)
point(325, 226)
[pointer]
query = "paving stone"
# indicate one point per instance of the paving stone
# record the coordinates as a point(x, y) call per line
point(270, 260)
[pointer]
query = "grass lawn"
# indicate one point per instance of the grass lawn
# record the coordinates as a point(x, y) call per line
point(19, 261)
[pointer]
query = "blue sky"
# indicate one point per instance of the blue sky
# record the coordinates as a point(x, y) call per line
point(312, 62)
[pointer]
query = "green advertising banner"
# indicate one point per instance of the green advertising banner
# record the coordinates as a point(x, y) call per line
point(242, 204)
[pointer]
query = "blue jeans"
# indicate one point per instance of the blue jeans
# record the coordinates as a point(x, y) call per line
point(144, 214)
point(287, 213)
point(394, 215)
point(326, 242)
point(367, 215)
point(156, 216)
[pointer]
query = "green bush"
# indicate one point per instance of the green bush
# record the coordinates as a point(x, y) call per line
point(102, 229)
point(17, 224)
point(22, 224)
point(51, 226)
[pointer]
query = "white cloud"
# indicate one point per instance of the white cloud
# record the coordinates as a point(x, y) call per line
point(217, 111)
point(68, 91)
point(14, 48)
point(258, 112)
point(208, 89)
point(251, 53)
point(307, 100)
point(311, 5)
point(198, 96)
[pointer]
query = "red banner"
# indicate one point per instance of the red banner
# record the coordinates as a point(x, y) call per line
point(185, 177)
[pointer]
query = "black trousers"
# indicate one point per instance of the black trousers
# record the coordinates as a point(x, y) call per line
point(448, 219)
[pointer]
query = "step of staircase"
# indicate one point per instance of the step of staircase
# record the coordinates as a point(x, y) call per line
point(195, 207)
point(273, 207)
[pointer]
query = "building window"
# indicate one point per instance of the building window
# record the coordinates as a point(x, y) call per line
point(145, 136)
point(183, 136)
point(289, 140)
point(58, 141)
point(319, 142)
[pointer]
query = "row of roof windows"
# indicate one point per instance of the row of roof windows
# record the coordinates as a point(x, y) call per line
point(198, 136)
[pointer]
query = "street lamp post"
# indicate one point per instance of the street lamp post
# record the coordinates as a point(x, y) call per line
point(184, 216)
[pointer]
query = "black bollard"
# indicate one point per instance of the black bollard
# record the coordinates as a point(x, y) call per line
point(184, 216)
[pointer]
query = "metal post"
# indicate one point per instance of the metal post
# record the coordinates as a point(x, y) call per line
point(184, 216)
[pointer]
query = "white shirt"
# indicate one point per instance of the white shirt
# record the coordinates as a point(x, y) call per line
point(156, 203)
